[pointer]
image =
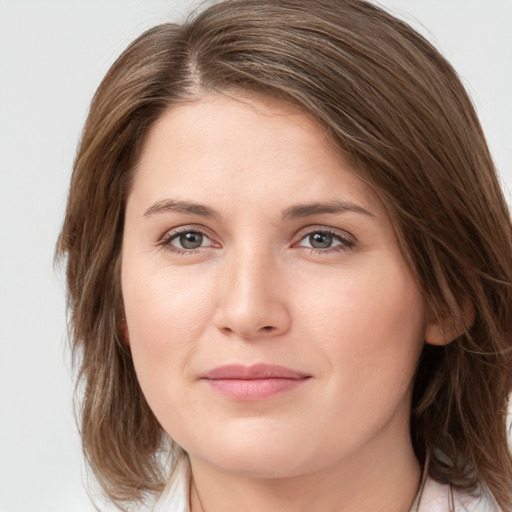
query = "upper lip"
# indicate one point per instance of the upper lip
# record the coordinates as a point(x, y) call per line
point(253, 372)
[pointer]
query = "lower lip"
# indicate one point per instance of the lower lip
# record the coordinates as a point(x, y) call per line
point(253, 389)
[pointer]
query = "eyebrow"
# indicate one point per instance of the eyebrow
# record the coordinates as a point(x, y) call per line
point(172, 205)
point(331, 207)
point(295, 211)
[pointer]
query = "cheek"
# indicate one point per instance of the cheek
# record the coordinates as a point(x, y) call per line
point(161, 304)
point(369, 335)
point(165, 314)
point(370, 326)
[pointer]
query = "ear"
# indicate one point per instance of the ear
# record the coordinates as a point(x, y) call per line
point(445, 330)
point(125, 335)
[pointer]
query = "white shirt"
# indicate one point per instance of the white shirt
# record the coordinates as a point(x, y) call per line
point(438, 497)
point(435, 497)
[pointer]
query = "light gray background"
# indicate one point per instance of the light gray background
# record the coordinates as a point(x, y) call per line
point(52, 56)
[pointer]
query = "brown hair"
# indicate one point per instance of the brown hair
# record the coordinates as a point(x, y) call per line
point(397, 110)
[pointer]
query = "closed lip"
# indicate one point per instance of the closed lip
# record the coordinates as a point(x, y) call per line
point(254, 372)
point(253, 383)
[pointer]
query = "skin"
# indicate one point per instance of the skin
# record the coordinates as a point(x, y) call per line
point(348, 314)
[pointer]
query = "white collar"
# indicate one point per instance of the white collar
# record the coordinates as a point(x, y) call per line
point(436, 497)
point(433, 496)
point(175, 496)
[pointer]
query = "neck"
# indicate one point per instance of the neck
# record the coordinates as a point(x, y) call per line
point(382, 475)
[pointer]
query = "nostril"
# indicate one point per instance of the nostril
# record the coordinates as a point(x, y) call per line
point(268, 328)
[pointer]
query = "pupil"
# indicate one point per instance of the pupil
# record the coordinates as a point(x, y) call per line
point(191, 240)
point(320, 240)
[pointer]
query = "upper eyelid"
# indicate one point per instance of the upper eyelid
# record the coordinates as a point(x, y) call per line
point(166, 240)
point(308, 230)
point(299, 235)
point(197, 228)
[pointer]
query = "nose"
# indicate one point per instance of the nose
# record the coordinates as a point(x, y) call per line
point(253, 300)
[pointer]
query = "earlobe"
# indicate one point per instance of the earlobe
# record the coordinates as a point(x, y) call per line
point(436, 335)
point(125, 335)
point(445, 330)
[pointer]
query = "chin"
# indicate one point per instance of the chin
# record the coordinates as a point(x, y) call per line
point(254, 453)
point(261, 463)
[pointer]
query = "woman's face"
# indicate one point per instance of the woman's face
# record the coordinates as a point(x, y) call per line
point(274, 324)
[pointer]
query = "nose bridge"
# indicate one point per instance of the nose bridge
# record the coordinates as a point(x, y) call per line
point(253, 301)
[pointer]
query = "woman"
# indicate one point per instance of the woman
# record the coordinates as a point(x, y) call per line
point(289, 270)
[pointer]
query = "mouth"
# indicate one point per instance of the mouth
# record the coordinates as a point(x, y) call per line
point(256, 382)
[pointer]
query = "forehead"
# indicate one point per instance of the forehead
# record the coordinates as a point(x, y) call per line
point(238, 122)
point(250, 147)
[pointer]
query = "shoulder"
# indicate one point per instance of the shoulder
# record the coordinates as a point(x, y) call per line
point(175, 496)
point(438, 497)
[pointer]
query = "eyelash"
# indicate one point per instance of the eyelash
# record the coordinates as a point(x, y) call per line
point(165, 242)
point(346, 243)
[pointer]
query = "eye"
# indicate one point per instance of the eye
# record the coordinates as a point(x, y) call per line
point(323, 240)
point(186, 241)
point(320, 240)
